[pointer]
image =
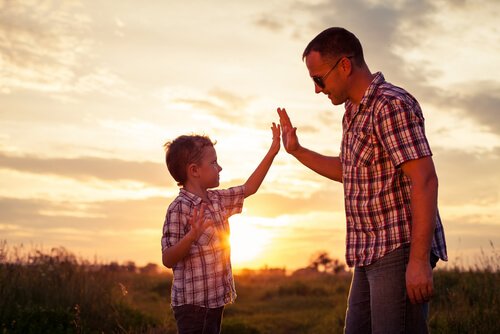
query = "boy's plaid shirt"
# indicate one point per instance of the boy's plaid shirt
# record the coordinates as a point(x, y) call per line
point(385, 131)
point(204, 277)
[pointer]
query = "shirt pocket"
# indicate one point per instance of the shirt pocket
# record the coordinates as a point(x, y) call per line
point(359, 149)
point(206, 237)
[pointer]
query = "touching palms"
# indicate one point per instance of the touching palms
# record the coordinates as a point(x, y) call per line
point(288, 132)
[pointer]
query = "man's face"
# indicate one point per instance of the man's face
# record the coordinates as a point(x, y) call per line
point(326, 77)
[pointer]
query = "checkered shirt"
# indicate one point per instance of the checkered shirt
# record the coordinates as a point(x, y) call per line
point(204, 277)
point(386, 130)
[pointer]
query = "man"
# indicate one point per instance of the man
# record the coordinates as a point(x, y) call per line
point(394, 233)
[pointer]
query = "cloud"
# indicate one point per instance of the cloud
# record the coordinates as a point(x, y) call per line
point(44, 214)
point(222, 104)
point(44, 46)
point(269, 23)
point(390, 33)
point(85, 168)
point(483, 104)
point(273, 205)
point(468, 178)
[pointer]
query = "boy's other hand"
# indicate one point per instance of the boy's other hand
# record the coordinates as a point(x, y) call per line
point(198, 225)
point(289, 133)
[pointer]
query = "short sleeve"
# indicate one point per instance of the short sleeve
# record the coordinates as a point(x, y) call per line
point(232, 199)
point(399, 125)
point(174, 227)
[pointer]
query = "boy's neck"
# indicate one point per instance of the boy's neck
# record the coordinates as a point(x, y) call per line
point(198, 191)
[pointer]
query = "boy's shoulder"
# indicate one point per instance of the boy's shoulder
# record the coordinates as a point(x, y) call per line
point(184, 199)
point(231, 191)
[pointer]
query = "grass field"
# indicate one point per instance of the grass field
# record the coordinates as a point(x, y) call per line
point(56, 293)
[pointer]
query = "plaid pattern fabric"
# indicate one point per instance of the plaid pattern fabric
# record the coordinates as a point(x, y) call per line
point(386, 130)
point(204, 277)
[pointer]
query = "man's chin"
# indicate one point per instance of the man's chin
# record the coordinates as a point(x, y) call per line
point(334, 102)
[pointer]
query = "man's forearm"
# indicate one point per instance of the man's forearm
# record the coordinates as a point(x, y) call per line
point(326, 166)
point(424, 212)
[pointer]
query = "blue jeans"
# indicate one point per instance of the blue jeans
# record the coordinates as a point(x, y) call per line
point(378, 302)
point(192, 319)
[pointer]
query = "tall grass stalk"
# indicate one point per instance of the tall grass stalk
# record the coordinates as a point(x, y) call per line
point(55, 292)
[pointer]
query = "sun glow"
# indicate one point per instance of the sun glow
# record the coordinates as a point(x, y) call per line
point(248, 241)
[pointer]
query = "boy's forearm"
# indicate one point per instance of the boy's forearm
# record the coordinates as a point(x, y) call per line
point(177, 252)
point(255, 180)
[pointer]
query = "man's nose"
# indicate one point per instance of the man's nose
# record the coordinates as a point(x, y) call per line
point(317, 89)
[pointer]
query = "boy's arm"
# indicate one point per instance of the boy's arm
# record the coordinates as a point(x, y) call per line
point(326, 166)
point(255, 180)
point(172, 255)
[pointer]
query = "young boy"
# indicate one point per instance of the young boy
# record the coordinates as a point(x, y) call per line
point(195, 241)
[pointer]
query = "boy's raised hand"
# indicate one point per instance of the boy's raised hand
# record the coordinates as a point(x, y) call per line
point(197, 222)
point(275, 145)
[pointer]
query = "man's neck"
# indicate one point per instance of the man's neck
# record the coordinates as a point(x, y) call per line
point(361, 81)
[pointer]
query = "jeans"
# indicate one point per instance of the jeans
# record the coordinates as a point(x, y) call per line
point(378, 302)
point(192, 319)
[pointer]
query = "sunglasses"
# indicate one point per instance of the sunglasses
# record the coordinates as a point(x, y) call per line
point(320, 81)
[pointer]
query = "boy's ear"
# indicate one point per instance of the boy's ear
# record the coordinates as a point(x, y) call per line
point(192, 170)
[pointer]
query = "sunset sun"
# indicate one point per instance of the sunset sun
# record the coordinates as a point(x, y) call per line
point(248, 241)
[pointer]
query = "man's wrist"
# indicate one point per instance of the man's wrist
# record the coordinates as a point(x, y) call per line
point(297, 152)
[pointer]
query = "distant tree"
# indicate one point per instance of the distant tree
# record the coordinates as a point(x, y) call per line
point(322, 262)
point(112, 266)
point(130, 266)
point(150, 268)
point(338, 267)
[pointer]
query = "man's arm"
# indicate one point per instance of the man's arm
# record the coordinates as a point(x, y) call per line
point(424, 190)
point(255, 180)
point(326, 166)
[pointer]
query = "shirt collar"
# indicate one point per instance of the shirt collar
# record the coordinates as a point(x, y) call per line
point(196, 200)
point(371, 91)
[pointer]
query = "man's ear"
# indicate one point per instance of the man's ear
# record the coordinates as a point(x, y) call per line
point(193, 170)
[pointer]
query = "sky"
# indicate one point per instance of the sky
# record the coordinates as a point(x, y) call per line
point(91, 90)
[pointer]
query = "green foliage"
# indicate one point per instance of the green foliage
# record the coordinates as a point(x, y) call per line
point(56, 293)
point(466, 302)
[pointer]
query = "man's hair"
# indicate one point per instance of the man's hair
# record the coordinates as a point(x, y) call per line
point(334, 42)
point(183, 151)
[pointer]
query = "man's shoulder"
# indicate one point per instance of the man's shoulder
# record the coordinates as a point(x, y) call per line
point(389, 94)
point(391, 91)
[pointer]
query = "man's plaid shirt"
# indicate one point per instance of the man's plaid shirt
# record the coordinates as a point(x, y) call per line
point(204, 277)
point(386, 130)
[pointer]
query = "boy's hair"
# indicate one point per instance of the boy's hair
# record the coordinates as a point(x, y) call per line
point(182, 151)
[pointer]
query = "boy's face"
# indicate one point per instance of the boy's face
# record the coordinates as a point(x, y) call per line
point(209, 169)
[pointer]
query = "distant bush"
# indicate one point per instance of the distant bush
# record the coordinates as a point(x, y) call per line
point(296, 288)
point(465, 302)
point(236, 327)
point(55, 293)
